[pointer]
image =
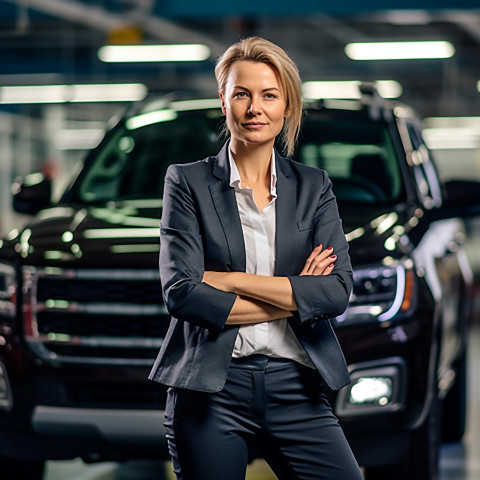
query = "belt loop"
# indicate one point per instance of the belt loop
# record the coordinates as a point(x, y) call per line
point(258, 398)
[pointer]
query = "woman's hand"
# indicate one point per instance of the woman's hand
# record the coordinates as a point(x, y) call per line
point(276, 291)
point(319, 262)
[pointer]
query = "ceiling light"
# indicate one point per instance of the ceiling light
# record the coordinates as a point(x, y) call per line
point(451, 122)
point(452, 132)
point(78, 138)
point(408, 17)
point(121, 92)
point(108, 92)
point(154, 53)
point(348, 89)
point(34, 94)
point(399, 50)
point(452, 138)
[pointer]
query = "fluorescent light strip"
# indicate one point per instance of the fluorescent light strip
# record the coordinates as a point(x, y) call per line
point(455, 138)
point(115, 92)
point(153, 53)
point(78, 138)
point(348, 89)
point(408, 17)
point(452, 121)
point(399, 50)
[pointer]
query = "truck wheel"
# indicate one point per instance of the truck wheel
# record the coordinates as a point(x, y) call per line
point(454, 407)
point(19, 469)
point(421, 460)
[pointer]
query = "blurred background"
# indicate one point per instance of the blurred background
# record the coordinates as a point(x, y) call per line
point(65, 72)
point(53, 51)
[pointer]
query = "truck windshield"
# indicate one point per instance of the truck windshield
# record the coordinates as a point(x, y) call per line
point(132, 163)
point(358, 154)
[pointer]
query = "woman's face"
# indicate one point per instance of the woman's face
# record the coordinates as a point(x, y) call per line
point(253, 102)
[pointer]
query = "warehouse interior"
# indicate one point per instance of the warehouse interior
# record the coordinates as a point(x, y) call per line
point(58, 42)
point(59, 90)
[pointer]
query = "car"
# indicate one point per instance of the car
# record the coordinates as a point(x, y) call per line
point(82, 316)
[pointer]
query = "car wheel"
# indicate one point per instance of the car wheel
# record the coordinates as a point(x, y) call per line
point(454, 407)
point(20, 469)
point(422, 458)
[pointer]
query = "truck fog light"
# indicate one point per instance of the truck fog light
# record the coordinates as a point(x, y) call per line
point(6, 399)
point(378, 387)
point(376, 390)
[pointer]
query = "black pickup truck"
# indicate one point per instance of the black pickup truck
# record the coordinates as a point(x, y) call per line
point(82, 318)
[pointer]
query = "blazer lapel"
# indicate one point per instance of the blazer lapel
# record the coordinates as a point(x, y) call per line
point(223, 196)
point(286, 205)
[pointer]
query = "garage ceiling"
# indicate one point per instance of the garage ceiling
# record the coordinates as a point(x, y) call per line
point(56, 41)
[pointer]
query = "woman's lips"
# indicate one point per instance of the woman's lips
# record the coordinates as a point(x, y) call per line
point(254, 126)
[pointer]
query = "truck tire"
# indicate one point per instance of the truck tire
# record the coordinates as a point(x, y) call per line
point(20, 469)
point(422, 459)
point(454, 408)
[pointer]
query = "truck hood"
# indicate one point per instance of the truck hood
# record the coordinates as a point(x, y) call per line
point(126, 235)
point(377, 232)
point(120, 234)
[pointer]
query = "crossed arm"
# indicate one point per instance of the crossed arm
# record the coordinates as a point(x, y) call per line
point(263, 298)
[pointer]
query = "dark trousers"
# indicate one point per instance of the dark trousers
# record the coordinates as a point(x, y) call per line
point(274, 407)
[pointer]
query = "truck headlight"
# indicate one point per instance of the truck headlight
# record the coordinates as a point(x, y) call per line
point(8, 291)
point(379, 293)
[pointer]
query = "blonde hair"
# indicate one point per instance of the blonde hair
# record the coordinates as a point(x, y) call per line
point(256, 49)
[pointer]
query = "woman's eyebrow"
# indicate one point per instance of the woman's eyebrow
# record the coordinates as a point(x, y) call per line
point(270, 88)
point(264, 90)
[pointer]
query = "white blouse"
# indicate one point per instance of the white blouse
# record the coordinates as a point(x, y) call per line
point(275, 338)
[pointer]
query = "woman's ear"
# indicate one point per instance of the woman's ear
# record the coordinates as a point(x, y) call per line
point(287, 112)
point(222, 98)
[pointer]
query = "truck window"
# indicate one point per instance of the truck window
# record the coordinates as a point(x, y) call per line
point(358, 155)
point(133, 161)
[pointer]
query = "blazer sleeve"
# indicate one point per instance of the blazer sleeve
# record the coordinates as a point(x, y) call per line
point(325, 296)
point(186, 297)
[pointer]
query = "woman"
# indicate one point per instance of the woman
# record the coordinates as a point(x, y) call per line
point(253, 264)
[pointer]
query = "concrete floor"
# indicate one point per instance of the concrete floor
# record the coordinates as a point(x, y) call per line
point(460, 461)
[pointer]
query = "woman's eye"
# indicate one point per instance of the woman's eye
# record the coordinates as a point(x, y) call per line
point(240, 94)
point(271, 95)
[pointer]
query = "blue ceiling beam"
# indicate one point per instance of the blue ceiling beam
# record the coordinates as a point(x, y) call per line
point(221, 8)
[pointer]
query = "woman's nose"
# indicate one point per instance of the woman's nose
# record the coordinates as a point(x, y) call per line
point(254, 108)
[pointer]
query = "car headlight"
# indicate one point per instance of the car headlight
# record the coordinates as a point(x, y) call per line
point(379, 293)
point(8, 291)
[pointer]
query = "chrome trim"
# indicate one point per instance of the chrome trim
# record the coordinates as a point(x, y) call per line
point(108, 342)
point(6, 403)
point(98, 274)
point(39, 349)
point(121, 426)
point(40, 342)
point(127, 309)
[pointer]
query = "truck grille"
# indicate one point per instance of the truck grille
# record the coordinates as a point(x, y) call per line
point(94, 316)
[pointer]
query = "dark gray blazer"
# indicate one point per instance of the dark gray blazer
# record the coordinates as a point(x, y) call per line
point(201, 230)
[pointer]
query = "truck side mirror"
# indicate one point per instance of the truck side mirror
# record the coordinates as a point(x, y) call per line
point(462, 198)
point(31, 193)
